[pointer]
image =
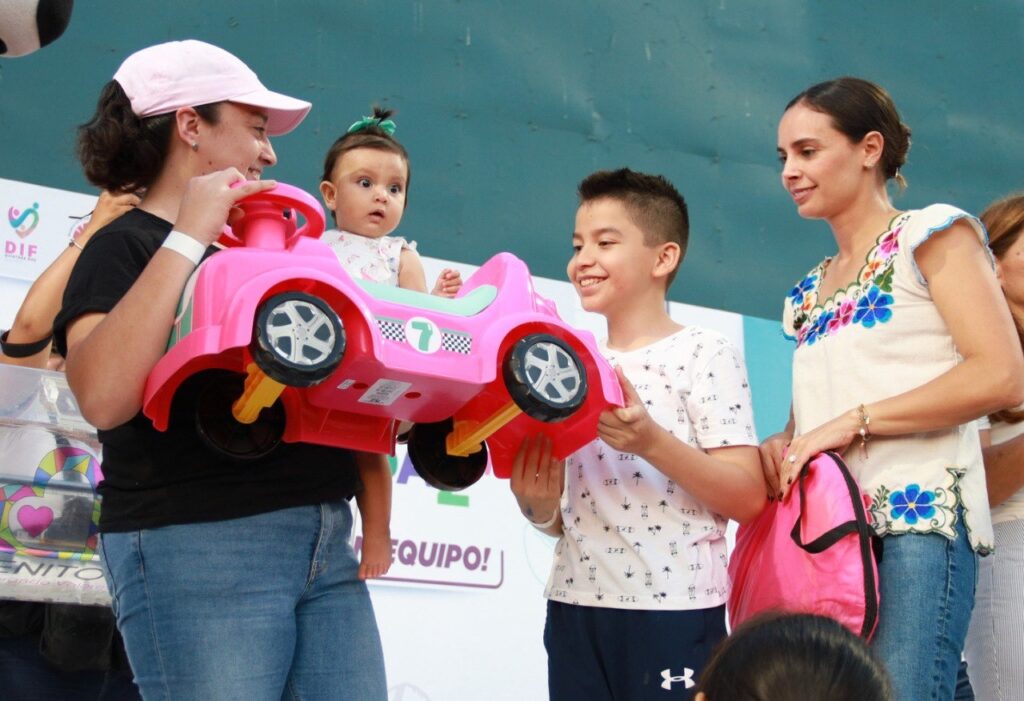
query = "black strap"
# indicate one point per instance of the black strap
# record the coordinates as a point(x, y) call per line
point(23, 350)
point(859, 525)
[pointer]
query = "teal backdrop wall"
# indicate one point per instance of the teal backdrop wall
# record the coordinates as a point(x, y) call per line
point(505, 106)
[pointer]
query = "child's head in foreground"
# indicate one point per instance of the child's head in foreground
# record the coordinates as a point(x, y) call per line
point(793, 657)
point(630, 237)
point(366, 177)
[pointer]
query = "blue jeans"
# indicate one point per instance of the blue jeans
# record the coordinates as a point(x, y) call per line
point(927, 590)
point(261, 608)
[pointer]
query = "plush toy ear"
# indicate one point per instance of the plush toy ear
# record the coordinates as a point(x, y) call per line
point(27, 25)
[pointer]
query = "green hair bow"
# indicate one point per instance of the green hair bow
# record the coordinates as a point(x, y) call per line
point(385, 125)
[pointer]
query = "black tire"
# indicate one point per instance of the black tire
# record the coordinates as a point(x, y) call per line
point(545, 377)
point(298, 339)
point(449, 473)
point(219, 429)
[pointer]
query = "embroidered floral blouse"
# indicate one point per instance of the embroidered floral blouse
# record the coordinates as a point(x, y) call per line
point(877, 338)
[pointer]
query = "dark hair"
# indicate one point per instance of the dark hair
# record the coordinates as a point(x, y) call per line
point(122, 152)
point(369, 137)
point(792, 657)
point(858, 106)
point(653, 203)
point(1004, 220)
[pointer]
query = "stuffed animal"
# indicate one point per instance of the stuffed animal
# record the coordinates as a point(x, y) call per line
point(27, 25)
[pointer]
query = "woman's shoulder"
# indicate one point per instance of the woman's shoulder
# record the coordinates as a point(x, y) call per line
point(916, 226)
point(921, 223)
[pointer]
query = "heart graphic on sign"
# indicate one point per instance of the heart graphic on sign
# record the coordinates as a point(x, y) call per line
point(30, 511)
point(35, 520)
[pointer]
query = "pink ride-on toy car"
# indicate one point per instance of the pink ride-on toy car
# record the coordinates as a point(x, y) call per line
point(312, 355)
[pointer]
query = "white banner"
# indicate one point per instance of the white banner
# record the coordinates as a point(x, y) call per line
point(37, 225)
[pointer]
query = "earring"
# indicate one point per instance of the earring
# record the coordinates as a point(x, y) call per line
point(195, 145)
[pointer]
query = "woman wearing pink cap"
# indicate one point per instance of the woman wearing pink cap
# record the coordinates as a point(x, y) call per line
point(230, 578)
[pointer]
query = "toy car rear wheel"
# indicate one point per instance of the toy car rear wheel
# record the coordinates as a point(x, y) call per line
point(545, 377)
point(440, 470)
point(298, 339)
point(219, 429)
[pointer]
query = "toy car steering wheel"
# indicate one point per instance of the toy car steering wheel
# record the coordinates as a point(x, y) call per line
point(266, 208)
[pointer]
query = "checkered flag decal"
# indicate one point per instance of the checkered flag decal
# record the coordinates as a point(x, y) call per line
point(451, 341)
point(456, 342)
point(391, 329)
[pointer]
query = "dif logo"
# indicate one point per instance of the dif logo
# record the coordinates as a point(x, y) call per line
point(23, 223)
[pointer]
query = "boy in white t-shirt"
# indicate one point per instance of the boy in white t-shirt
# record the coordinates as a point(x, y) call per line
point(636, 596)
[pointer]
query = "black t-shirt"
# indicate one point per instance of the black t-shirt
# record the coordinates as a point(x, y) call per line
point(154, 478)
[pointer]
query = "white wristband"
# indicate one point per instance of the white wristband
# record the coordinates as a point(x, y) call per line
point(185, 245)
point(550, 522)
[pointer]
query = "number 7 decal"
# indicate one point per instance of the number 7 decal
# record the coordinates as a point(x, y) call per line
point(423, 334)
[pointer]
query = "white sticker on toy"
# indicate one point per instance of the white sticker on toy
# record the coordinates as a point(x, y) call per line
point(346, 384)
point(423, 334)
point(384, 392)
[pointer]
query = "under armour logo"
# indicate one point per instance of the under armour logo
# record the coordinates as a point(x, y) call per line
point(686, 678)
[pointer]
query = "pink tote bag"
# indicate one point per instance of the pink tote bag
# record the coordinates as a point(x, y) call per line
point(812, 553)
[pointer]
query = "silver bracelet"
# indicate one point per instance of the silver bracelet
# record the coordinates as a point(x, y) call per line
point(550, 522)
point(185, 245)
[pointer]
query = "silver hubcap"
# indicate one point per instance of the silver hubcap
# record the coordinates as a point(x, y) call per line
point(551, 372)
point(300, 332)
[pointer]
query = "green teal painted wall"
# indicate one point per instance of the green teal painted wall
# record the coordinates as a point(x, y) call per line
point(769, 368)
point(505, 106)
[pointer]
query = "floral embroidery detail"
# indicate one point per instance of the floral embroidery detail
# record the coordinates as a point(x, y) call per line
point(843, 316)
point(799, 292)
point(890, 243)
point(866, 302)
point(884, 281)
point(912, 504)
point(820, 327)
point(873, 307)
point(913, 509)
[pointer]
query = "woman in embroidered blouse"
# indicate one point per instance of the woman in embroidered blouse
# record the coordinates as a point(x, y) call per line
point(902, 340)
point(996, 635)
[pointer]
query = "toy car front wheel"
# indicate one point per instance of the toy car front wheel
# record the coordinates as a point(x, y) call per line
point(545, 377)
point(440, 470)
point(299, 340)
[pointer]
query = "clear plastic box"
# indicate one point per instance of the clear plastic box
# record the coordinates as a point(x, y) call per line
point(49, 509)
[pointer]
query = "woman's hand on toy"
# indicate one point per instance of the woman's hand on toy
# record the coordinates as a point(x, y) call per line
point(537, 480)
point(836, 434)
point(209, 199)
point(629, 429)
point(448, 284)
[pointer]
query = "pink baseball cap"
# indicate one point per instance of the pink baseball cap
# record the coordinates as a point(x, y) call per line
point(163, 78)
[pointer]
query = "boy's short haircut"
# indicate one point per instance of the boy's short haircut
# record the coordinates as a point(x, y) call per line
point(653, 203)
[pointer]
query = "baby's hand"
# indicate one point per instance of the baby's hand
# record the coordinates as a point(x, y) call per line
point(448, 284)
point(375, 555)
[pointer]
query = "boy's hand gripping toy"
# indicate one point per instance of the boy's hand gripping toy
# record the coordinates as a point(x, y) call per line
point(291, 348)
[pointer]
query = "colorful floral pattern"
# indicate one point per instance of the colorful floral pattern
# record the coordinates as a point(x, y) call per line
point(913, 509)
point(873, 307)
point(912, 504)
point(866, 302)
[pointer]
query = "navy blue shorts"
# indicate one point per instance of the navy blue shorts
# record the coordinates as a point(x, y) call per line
point(603, 654)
